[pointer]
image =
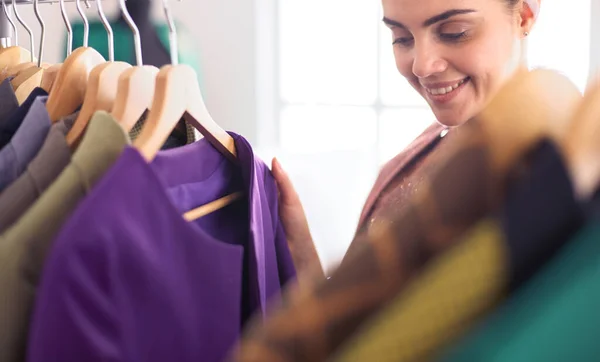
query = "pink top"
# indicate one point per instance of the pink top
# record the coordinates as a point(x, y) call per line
point(399, 178)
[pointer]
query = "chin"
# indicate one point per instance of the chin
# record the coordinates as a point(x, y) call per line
point(450, 119)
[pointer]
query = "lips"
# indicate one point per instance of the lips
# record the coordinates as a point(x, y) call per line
point(441, 89)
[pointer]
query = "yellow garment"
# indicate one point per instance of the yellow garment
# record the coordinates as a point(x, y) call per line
point(440, 305)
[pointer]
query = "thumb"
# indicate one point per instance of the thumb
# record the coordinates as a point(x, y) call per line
point(287, 192)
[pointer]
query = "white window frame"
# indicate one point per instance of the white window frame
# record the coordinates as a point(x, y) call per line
point(268, 100)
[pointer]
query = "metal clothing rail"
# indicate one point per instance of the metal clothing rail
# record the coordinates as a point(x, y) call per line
point(5, 27)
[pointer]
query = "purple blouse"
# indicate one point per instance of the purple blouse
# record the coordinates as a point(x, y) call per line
point(130, 280)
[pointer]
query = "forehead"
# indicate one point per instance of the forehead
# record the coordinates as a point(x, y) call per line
point(417, 10)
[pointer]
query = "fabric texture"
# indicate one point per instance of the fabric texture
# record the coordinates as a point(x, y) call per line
point(177, 138)
point(127, 242)
point(41, 172)
point(28, 138)
point(395, 167)
point(465, 185)
point(398, 180)
point(8, 104)
point(467, 282)
point(552, 318)
point(24, 246)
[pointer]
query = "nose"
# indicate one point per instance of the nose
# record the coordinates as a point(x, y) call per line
point(427, 60)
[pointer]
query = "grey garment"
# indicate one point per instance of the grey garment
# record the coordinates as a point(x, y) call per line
point(25, 143)
point(8, 104)
point(24, 246)
point(53, 157)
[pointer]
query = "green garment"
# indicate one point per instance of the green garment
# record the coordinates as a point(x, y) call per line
point(553, 318)
point(25, 245)
point(124, 45)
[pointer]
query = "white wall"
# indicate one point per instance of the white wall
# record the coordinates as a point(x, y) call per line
point(225, 34)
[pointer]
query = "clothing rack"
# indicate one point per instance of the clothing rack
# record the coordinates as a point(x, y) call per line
point(5, 28)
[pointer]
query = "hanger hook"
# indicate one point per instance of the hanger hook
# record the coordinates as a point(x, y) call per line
point(172, 33)
point(109, 31)
point(36, 9)
point(86, 24)
point(11, 22)
point(63, 13)
point(137, 40)
point(28, 29)
point(87, 4)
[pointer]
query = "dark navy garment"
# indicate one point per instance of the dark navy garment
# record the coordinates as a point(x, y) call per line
point(8, 103)
point(540, 213)
point(129, 279)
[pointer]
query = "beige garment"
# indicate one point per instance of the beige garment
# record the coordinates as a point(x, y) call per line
point(23, 247)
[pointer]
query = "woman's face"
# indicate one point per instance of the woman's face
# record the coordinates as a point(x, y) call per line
point(455, 53)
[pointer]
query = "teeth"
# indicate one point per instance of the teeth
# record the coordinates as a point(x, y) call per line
point(440, 91)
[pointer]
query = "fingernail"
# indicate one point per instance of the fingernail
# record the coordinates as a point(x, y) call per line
point(277, 165)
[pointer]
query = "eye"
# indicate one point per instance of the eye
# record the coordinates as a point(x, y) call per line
point(453, 36)
point(403, 41)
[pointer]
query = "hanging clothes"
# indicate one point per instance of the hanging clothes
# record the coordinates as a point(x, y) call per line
point(184, 290)
point(40, 173)
point(310, 327)
point(31, 125)
point(24, 246)
point(127, 242)
point(494, 258)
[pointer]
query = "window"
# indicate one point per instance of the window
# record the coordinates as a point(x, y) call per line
point(343, 110)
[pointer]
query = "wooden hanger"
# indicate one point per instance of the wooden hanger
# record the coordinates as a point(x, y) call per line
point(530, 106)
point(134, 95)
point(12, 56)
point(68, 91)
point(27, 80)
point(582, 143)
point(100, 95)
point(13, 70)
point(33, 68)
point(177, 94)
point(69, 87)
point(49, 77)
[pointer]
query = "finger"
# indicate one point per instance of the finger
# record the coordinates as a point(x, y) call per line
point(284, 184)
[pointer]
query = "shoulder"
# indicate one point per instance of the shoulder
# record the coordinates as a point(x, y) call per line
point(413, 149)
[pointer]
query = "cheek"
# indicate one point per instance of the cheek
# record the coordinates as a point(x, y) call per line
point(488, 61)
point(404, 62)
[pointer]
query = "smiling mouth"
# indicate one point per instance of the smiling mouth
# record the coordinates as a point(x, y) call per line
point(446, 90)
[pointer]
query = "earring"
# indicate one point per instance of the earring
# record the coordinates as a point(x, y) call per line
point(525, 34)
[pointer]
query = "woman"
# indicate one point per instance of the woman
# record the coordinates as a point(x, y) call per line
point(455, 54)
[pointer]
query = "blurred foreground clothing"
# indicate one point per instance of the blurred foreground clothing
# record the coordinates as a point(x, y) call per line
point(496, 256)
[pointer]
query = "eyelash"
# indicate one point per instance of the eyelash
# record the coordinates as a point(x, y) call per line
point(449, 37)
point(453, 36)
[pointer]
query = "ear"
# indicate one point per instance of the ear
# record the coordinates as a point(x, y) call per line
point(528, 14)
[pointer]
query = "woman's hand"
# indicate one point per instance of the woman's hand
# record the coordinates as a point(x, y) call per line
point(295, 225)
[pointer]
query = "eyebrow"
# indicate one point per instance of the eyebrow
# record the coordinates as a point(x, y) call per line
point(435, 19)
